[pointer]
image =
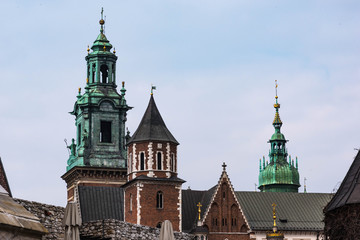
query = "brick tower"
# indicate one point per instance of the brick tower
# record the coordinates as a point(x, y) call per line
point(153, 190)
point(98, 155)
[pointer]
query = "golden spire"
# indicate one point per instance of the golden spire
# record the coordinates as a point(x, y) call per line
point(277, 119)
point(199, 206)
point(274, 216)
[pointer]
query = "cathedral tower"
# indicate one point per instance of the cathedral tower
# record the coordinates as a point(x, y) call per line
point(278, 175)
point(153, 191)
point(98, 155)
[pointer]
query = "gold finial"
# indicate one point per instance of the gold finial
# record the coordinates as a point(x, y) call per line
point(102, 22)
point(88, 49)
point(123, 84)
point(199, 206)
point(79, 90)
point(114, 51)
point(274, 215)
point(276, 85)
point(152, 88)
point(87, 80)
point(104, 48)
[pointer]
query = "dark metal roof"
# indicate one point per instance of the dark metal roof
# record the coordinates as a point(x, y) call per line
point(190, 198)
point(152, 126)
point(99, 203)
point(349, 190)
point(295, 211)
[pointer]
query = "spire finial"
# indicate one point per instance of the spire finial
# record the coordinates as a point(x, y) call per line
point(199, 210)
point(276, 85)
point(114, 51)
point(274, 217)
point(224, 166)
point(88, 49)
point(152, 88)
point(102, 21)
point(305, 184)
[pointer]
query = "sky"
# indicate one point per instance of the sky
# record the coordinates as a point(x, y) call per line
point(214, 64)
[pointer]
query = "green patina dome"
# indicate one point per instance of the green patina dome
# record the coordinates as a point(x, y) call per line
point(278, 174)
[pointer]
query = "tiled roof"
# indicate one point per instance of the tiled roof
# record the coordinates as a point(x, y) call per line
point(98, 203)
point(152, 126)
point(349, 190)
point(190, 198)
point(295, 211)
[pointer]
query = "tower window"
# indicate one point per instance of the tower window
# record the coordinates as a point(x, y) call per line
point(79, 134)
point(159, 161)
point(104, 73)
point(105, 132)
point(159, 200)
point(142, 161)
point(131, 208)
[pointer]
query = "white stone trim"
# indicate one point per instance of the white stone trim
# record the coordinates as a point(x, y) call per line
point(168, 174)
point(139, 187)
point(133, 161)
point(150, 161)
point(180, 207)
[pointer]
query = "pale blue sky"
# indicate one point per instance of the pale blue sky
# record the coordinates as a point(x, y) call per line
point(214, 64)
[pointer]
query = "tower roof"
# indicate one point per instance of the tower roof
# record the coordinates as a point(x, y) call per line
point(349, 190)
point(152, 127)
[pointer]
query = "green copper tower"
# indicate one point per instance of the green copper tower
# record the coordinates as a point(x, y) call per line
point(278, 175)
point(100, 112)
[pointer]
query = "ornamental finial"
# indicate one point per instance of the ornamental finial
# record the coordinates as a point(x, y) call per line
point(274, 217)
point(224, 166)
point(199, 210)
point(102, 21)
point(276, 85)
point(88, 49)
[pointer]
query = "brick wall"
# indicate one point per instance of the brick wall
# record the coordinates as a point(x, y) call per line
point(224, 219)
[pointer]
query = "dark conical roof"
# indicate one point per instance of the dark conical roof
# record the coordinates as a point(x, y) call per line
point(349, 190)
point(152, 127)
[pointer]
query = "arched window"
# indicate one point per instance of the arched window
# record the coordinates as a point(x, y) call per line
point(142, 161)
point(159, 161)
point(104, 73)
point(159, 200)
point(93, 70)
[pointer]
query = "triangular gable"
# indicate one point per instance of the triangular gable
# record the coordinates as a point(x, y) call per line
point(224, 178)
point(3, 179)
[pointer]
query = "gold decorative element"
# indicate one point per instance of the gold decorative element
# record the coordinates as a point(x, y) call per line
point(102, 22)
point(88, 49)
point(87, 80)
point(199, 206)
point(123, 84)
point(274, 214)
point(79, 90)
point(114, 51)
point(104, 48)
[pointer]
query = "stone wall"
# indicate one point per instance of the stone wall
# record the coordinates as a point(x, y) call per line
point(119, 230)
point(50, 216)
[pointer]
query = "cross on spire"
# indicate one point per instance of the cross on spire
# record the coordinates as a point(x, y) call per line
point(224, 166)
point(199, 206)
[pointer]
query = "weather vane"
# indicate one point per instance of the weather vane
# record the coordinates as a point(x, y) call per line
point(152, 88)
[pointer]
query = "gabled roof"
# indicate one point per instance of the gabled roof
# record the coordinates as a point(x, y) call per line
point(295, 211)
point(349, 190)
point(152, 127)
point(15, 216)
point(190, 198)
point(3, 179)
point(99, 203)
